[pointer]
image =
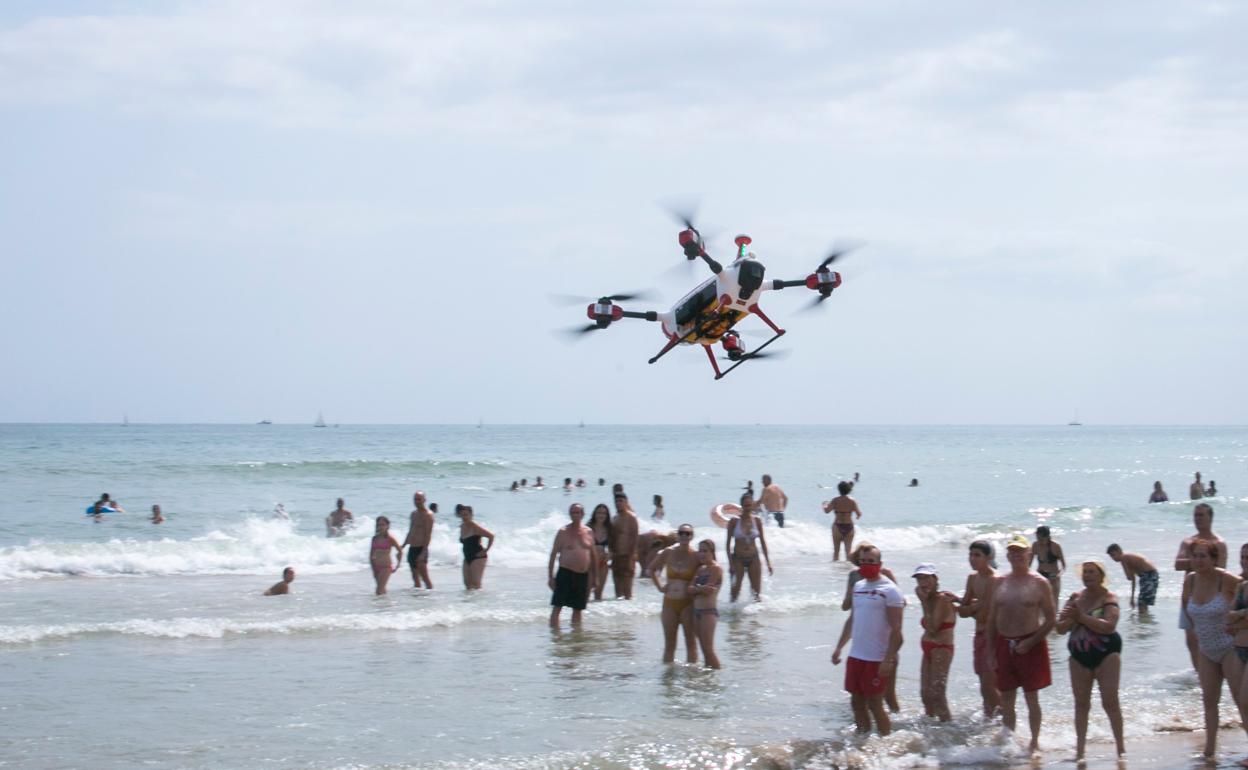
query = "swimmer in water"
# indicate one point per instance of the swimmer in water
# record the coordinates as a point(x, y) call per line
point(283, 586)
point(157, 517)
point(338, 521)
point(659, 514)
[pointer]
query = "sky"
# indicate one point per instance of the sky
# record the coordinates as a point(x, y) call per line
point(235, 211)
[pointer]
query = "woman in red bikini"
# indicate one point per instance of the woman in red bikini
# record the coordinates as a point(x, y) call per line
point(939, 617)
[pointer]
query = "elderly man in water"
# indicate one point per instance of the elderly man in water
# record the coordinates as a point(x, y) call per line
point(1020, 618)
point(578, 569)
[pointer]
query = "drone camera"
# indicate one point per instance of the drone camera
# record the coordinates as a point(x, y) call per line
point(750, 277)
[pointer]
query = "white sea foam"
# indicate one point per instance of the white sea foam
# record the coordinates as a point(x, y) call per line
point(445, 616)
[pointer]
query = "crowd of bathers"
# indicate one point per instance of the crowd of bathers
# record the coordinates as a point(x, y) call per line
point(1014, 610)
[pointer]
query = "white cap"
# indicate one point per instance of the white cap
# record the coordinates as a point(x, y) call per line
point(926, 568)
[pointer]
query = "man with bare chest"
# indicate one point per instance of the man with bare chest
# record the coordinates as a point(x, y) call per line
point(418, 534)
point(578, 569)
point(1020, 616)
point(1202, 519)
point(774, 500)
point(624, 530)
point(976, 601)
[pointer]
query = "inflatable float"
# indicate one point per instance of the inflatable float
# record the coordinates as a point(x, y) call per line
point(724, 513)
point(103, 509)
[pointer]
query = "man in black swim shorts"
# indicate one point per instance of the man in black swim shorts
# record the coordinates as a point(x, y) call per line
point(419, 533)
point(578, 569)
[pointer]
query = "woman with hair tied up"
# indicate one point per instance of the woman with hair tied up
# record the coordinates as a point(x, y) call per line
point(1208, 593)
point(1091, 618)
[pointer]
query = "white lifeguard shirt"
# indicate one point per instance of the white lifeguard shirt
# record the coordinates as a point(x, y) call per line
point(871, 631)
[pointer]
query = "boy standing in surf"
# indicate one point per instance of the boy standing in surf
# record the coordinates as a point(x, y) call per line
point(976, 600)
point(1135, 566)
point(1020, 617)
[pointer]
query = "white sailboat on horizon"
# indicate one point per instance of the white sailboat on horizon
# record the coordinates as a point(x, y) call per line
point(1075, 420)
point(320, 420)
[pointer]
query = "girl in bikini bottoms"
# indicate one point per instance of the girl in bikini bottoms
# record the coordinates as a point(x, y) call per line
point(939, 618)
point(705, 590)
point(379, 554)
point(1091, 618)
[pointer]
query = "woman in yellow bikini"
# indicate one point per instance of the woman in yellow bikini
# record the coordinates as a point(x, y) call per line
point(679, 563)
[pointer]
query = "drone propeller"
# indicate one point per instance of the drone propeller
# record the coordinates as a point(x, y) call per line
point(577, 331)
point(836, 254)
point(813, 304)
point(569, 299)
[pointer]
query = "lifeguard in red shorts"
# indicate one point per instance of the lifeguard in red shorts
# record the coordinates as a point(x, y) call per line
point(1019, 620)
point(875, 625)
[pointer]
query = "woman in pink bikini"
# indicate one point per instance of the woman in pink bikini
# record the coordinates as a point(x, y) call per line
point(939, 617)
point(379, 554)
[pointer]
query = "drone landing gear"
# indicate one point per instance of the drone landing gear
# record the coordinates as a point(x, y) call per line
point(671, 343)
point(744, 358)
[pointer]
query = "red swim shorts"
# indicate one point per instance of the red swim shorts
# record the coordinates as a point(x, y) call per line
point(1030, 671)
point(862, 677)
point(980, 647)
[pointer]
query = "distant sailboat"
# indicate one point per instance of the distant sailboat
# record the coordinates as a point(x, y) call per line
point(1075, 421)
point(125, 420)
point(265, 422)
point(480, 422)
point(582, 423)
point(320, 421)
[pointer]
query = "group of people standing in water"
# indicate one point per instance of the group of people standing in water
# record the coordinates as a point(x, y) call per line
point(1014, 611)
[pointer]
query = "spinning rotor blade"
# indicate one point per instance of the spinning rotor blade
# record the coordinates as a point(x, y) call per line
point(811, 306)
point(837, 253)
point(576, 332)
point(569, 299)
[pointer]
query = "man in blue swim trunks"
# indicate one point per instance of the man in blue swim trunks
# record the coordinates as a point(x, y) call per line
point(1136, 567)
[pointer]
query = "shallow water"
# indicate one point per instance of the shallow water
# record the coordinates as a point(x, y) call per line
point(123, 642)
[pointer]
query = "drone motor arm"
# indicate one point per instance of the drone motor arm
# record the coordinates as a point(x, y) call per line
point(779, 284)
point(648, 315)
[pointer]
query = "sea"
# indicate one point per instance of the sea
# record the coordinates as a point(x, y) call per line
point(127, 644)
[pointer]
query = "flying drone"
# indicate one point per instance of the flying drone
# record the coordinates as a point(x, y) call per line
point(706, 316)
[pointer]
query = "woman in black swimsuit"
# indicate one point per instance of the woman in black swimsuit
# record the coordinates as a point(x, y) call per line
point(470, 534)
point(1050, 561)
point(1091, 619)
point(600, 523)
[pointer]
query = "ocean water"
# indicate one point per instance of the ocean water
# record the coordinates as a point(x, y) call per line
point(123, 643)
